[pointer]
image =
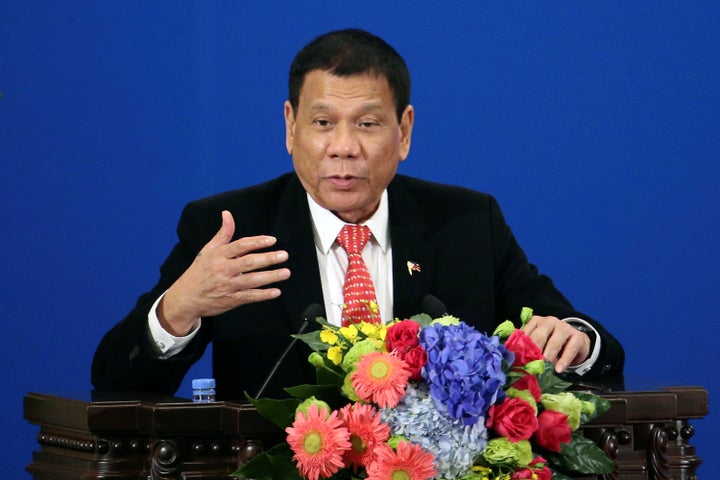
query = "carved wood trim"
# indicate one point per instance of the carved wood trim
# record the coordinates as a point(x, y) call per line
point(646, 434)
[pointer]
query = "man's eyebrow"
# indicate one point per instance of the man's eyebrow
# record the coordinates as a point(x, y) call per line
point(320, 107)
point(367, 107)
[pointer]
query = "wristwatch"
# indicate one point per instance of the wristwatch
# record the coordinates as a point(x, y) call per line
point(587, 331)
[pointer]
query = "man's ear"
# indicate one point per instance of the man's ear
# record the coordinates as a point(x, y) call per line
point(289, 126)
point(406, 126)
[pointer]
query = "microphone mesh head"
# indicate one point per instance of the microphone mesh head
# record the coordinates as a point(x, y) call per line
point(433, 306)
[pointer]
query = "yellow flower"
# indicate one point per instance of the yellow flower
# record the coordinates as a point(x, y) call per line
point(328, 336)
point(382, 331)
point(373, 306)
point(350, 332)
point(368, 329)
point(484, 472)
point(334, 354)
point(374, 331)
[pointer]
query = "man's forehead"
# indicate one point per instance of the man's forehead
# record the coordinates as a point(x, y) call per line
point(370, 75)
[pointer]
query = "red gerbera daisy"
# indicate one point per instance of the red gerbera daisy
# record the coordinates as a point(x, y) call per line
point(366, 432)
point(409, 462)
point(318, 441)
point(380, 378)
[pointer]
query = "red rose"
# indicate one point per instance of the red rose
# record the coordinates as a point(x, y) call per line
point(402, 336)
point(415, 358)
point(523, 347)
point(553, 429)
point(537, 470)
point(529, 383)
point(514, 418)
point(522, 474)
point(543, 473)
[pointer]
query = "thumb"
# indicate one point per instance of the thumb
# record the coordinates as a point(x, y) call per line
point(227, 229)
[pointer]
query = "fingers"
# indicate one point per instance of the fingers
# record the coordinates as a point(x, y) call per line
point(224, 235)
point(225, 274)
point(245, 245)
point(560, 343)
point(251, 280)
point(222, 241)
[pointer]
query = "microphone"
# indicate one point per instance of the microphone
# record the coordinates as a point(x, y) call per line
point(310, 313)
point(434, 307)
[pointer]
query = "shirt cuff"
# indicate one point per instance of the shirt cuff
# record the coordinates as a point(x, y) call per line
point(166, 345)
point(585, 366)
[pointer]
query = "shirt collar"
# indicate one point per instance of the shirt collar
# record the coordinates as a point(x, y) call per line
point(327, 226)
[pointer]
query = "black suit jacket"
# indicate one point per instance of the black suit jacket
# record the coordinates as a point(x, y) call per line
point(468, 257)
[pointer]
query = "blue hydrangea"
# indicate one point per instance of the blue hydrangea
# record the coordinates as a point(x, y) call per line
point(453, 444)
point(464, 369)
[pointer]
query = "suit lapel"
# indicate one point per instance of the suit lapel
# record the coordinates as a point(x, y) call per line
point(413, 259)
point(294, 231)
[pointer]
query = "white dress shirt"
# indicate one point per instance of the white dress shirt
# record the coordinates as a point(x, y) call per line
point(333, 260)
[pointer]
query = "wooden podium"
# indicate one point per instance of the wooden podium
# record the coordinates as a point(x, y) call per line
point(647, 434)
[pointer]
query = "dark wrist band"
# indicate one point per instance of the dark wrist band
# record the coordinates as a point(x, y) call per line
point(589, 332)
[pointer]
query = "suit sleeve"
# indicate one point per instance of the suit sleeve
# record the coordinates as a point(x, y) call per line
point(519, 284)
point(125, 359)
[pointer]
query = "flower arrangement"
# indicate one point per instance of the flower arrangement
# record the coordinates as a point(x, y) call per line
point(421, 399)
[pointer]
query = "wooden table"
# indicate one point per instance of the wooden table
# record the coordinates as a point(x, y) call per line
point(646, 433)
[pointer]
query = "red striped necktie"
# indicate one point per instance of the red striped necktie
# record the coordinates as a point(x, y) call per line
point(358, 290)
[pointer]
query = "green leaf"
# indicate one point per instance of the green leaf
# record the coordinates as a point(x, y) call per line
point(559, 475)
point(312, 339)
point(327, 376)
point(584, 456)
point(321, 392)
point(280, 412)
point(602, 405)
point(274, 464)
point(423, 319)
point(550, 382)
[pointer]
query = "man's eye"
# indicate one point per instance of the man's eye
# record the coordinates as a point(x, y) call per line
point(322, 123)
point(368, 124)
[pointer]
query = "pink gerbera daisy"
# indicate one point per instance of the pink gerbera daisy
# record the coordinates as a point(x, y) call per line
point(318, 441)
point(366, 432)
point(408, 462)
point(380, 378)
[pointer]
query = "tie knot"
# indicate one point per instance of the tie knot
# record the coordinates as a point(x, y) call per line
point(354, 237)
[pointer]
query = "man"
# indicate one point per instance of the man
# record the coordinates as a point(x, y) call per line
point(248, 262)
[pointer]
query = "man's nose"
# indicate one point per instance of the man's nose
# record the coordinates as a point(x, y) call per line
point(344, 142)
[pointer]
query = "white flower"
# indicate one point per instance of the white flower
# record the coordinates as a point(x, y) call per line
point(454, 445)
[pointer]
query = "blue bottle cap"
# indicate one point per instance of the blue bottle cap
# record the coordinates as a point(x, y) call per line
point(203, 383)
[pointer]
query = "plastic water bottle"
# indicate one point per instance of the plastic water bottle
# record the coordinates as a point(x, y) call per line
point(203, 390)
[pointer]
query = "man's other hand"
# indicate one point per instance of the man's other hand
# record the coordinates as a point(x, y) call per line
point(560, 342)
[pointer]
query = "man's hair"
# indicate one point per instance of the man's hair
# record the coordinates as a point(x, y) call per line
point(351, 52)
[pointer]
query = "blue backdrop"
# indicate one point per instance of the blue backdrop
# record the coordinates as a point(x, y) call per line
point(596, 125)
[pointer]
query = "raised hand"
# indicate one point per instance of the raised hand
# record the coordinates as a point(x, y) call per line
point(224, 275)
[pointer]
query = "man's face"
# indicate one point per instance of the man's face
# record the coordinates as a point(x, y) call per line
point(346, 141)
